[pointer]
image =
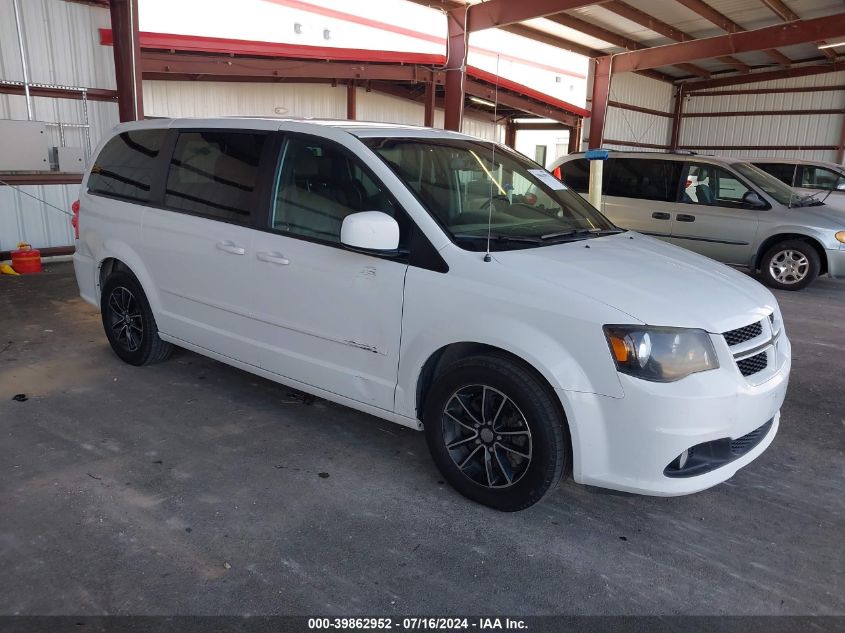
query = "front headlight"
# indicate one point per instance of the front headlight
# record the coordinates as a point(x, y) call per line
point(840, 237)
point(660, 354)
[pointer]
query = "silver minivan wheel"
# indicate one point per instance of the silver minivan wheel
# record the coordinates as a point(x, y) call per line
point(789, 266)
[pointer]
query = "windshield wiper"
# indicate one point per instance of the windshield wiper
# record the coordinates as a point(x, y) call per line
point(579, 232)
point(499, 237)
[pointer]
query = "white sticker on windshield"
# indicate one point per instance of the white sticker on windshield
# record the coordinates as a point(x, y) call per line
point(547, 179)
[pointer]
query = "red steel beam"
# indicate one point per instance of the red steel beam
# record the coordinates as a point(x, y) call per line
point(770, 75)
point(429, 103)
point(786, 14)
point(456, 67)
point(840, 150)
point(764, 91)
point(40, 178)
point(727, 25)
point(605, 35)
point(208, 67)
point(127, 55)
point(666, 30)
point(677, 117)
point(518, 102)
point(498, 13)
point(724, 113)
point(599, 102)
point(510, 133)
point(574, 139)
point(351, 94)
point(759, 39)
point(93, 94)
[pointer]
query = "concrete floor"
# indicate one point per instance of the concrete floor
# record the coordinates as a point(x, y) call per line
point(193, 488)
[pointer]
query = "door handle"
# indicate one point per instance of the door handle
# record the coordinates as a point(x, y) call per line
point(684, 217)
point(660, 215)
point(273, 258)
point(227, 246)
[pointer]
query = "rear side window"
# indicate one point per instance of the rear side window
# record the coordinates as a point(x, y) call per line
point(125, 165)
point(782, 171)
point(214, 173)
point(642, 178)
point(575, 174)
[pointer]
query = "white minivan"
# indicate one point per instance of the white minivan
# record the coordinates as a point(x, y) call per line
point(438, 281)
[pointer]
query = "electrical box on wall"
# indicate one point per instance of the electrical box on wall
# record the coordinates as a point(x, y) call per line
point(24, 146)
point(69, 160)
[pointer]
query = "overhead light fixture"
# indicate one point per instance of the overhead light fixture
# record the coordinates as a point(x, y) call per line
point(483, 102)
point(834, 45)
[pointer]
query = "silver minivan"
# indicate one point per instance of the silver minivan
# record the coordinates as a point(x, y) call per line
point(723, 208)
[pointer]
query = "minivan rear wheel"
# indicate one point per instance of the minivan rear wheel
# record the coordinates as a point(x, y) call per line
point(790, 265)
point(129, 322)
point(495, 432)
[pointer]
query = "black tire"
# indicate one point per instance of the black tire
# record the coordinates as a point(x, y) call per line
point(781, 256)
point(129, 322)
point(516, 484)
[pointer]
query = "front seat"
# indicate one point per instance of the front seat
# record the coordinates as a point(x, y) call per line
point(705, 194)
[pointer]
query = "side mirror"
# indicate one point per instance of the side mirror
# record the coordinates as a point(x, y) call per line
point(841, 185)
point(370, 231)
point(753, 200)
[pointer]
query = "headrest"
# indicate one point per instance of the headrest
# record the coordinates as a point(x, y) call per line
point(305, 165)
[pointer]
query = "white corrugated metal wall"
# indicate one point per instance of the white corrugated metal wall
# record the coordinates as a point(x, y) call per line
point(63, 48)
point(209, 98)
point(784, 130)
point(628, 126)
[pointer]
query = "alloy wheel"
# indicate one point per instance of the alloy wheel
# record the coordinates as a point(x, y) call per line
point(789, 266)
point(125, 319)
point(487, 436)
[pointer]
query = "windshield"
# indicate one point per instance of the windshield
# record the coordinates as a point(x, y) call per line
point(466, 189)
point(781, 192)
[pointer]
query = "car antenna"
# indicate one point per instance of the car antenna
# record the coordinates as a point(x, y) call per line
point(487, 257)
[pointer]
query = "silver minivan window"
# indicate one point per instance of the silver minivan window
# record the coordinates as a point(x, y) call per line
point(781, 192)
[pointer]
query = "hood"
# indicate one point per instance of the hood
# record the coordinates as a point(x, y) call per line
point(652, 281)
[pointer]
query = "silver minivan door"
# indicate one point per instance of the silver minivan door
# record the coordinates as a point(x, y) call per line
point(640, 194)
point(714, 216)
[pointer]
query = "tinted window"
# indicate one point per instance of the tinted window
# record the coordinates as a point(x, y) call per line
point(642, 178)
point(575, 174)
point(815, 177)
point(319, 185)
point(124, 167)
point(782, 171)
point(215, 173)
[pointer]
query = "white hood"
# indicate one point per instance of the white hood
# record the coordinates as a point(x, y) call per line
point(654, 282)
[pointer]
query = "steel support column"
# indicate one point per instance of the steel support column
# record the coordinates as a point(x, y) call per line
point(510, 133)
point(601, 95)
point(351, 93)
point(429, 101)
point(574, 139)
point(840, 150)
point(127, 59)
point(677, 117)
point(456, 59)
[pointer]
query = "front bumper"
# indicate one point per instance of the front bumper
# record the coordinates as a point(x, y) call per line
point(836, 262)
point(627, 443)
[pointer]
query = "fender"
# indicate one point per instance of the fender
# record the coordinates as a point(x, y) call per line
point(546, 354)
point(117, 249)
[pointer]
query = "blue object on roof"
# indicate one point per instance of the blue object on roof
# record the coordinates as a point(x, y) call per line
point(597, 154)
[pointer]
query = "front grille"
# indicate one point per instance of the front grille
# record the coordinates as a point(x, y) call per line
point(753, 364)
point(742, 334)
point(741, 445)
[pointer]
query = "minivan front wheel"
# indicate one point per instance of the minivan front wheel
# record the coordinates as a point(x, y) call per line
point(129, 322)
point(495, 432)
point(790, 265)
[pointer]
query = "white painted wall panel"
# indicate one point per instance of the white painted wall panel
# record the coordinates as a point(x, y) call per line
point(788, 130)
point(645, 92)
point(62, 42)
point(24, 219)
